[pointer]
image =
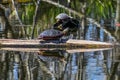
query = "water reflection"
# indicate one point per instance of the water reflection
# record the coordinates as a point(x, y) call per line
point(60, 65)
point(95, 66)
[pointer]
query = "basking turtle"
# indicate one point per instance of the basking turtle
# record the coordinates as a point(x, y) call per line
point(51, 34)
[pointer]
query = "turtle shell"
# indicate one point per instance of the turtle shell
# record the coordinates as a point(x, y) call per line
point(50, 34)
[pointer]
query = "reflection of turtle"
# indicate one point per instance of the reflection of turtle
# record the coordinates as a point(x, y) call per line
point(52, 55)
point(50, 34)
point(55, 53)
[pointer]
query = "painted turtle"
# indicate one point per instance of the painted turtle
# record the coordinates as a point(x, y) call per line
point(50, 34)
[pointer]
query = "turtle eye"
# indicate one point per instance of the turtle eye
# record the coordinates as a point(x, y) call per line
point(59, 21)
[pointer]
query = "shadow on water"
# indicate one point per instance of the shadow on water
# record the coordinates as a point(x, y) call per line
point(62, 64)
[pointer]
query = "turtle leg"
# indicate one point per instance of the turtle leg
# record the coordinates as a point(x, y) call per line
point(61, 40)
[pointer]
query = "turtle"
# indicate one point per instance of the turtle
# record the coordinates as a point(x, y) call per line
point(51, 34)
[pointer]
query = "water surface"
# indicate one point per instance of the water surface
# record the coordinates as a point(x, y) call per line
point(63, 64)
point(60, 65)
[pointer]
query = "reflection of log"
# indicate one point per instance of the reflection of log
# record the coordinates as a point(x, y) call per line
point(53, 49)
point(87, 50)
point(13, 43)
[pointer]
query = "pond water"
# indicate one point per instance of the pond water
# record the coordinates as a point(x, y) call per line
point(59, 64)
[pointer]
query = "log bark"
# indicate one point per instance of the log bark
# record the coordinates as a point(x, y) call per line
point(13, 43)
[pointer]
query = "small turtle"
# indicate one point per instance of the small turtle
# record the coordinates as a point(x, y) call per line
point(51, 34)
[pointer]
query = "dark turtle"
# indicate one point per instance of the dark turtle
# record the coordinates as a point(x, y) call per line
point(50, 34)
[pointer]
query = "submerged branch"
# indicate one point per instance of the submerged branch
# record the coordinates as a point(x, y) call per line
point(16, 12)
point(8, 27)
point(35, 18)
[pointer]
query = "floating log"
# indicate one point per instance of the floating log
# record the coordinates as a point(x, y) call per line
point(72, 43)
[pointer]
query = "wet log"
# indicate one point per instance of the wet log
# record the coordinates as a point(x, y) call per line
point(72, 43)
